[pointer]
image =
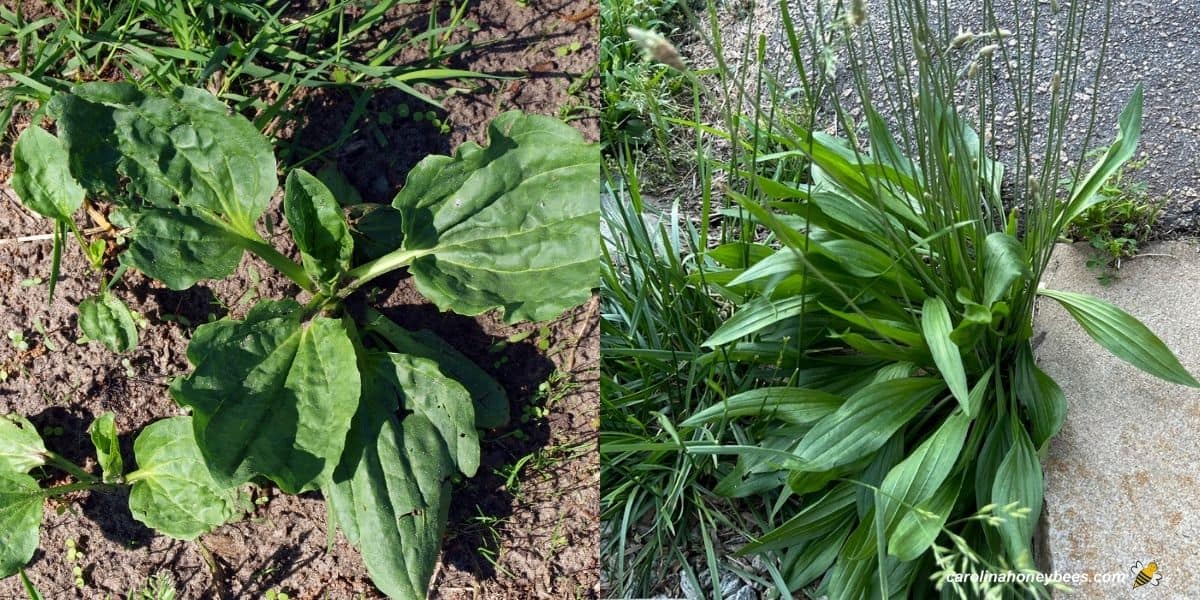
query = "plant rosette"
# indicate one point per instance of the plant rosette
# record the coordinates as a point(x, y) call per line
point(308, 395)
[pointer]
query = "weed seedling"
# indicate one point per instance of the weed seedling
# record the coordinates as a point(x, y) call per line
point(160, 586)
point(1120, 223)
point(17, 339)
point(75, 559)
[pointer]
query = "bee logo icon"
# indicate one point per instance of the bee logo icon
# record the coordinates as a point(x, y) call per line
point(1147, 574)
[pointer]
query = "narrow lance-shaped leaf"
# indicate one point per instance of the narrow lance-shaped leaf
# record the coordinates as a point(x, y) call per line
point(1084, 195)
point(1018, 485)
point(788, 404)
point(42, 175)
point(759, 314)
point(318, 227)
point(510, 226)
point(272, 396)
point(1123, 335)
point(817, 556)
point(1040, 395)
point(936, 325)
point(172, 489)
point(20, 519)
point(21, 448)
point(103, 432)
point(818, 518)
point(866, 420)
point(918, 528)
point(1004, 262)
point(106, 319)
point(918, 477)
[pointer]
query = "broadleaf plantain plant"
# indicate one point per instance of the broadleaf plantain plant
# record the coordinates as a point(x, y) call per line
point(309, 395)
point(889, 312)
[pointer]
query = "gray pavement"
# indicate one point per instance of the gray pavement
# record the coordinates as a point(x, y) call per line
point(1123, 476)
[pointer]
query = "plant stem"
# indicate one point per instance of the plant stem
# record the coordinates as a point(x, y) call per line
point(62, 463)
point(283, 264)
point(76, 487)
point(387, 263)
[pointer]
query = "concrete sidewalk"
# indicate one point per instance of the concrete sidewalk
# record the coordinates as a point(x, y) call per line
point(1123, 476)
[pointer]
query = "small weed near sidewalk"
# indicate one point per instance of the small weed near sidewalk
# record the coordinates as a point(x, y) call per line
point(1120, 224)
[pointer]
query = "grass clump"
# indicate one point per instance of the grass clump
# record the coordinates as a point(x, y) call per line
point(639, 96)
point(232, 48)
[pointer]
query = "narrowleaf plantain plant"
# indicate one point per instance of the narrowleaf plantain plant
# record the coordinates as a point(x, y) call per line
point(309, 396)
point(889, 313)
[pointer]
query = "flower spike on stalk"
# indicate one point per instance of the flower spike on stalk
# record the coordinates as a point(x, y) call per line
point(657, 47)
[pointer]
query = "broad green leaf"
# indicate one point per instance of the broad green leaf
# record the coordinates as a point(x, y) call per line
point(759, 314)
point(42, 175)
point(172, 490)
point(936, 325)
point(20, 519)
point(318, 227)
point(179, 248)
point(491, 402)
point(1019, 482)
point(865, 421)
point(391, 493)
point(189, 143)
point(788, 404)
point(377, 229)
point(918, 529)
point(1084, 194)
point(21, 448)
point(88, 133)
point(272, 396)
point(103, 432)
point(341, 188)
point(105, 319)
point(916, 479)
point(424, 389)
point(510, 226)
point(818, 518)
point(1004, 262)
point(1123, 335)
point(1043, 400)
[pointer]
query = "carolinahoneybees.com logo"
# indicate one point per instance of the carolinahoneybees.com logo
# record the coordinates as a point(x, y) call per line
point(1147, 574)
